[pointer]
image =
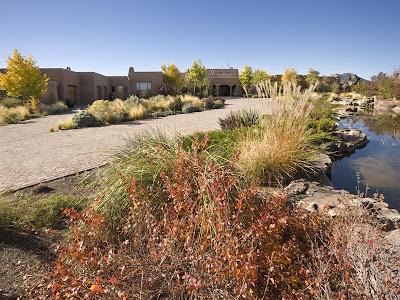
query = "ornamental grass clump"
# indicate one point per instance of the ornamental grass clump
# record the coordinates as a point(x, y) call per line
point(196, 233)
point(54, 108)
point(280, 148)
point(108, 112)
point(237, 119)
point(135, 110)
point(13, 114)
point(158, 103)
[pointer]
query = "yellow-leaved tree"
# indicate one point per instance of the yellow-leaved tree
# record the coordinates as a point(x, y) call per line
point(172, 76)
point(23, 79)
point(289, 75)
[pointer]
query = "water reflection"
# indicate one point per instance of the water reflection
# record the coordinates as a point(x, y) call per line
point(378, 164)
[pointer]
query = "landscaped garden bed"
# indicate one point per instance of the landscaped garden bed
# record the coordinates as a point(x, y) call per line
point(105, 112)
point(205, 217)
point(13, 110)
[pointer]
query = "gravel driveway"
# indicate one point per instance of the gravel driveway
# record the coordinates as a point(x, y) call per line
point(30, 154)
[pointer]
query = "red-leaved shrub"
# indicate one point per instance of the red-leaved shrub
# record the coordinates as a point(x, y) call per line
point(197, 234)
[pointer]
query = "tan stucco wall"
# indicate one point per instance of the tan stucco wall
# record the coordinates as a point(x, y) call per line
point(87, 83)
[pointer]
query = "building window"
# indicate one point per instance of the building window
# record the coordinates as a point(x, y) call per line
point(143, 86)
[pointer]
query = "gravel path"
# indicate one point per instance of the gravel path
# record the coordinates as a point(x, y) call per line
point(30, 154)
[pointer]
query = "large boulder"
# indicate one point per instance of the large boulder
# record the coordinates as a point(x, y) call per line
point(315, 197)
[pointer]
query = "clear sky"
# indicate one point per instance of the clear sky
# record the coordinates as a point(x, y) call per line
point(332, 36)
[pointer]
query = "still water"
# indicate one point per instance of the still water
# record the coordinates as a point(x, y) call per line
point(375, 167)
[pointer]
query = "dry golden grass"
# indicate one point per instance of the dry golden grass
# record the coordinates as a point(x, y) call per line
point(67, 124)
point(136, 112)
point(192, 100)
point(159, 102)
point(54, 108)
point(13, 114)
point(279, 148)
point(108, 112)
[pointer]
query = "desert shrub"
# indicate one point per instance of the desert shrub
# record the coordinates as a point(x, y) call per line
point(37, 214)
point(353, 260)
point(161, 114)
point(13, 114)
point(108, 112)
point(9, 102)
point(52, 109)
point(190, 108)
point(209, 102)
point(219, 104)
point(280, 149)
point(197, 233)
point(237, 119)
point(84, 119)
point(176, 104)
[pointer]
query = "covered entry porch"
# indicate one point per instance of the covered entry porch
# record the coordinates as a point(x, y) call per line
point(224, 90)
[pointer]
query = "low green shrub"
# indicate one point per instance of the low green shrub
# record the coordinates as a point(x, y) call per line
point(84, 119)
point(38, 214)
point(220, 103)
point(222, 144)
point(237, 119)
point(161, 113)
point(190, 108)
point(322, 125)
point(11, 102)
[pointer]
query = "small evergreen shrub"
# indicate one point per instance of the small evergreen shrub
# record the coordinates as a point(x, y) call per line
point(190, 108)
point(160, 114)
point(84, 119)
point(219, 103)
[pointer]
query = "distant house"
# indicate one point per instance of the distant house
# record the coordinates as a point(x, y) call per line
point(81, 88)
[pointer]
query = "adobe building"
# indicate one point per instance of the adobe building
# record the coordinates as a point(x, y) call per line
point(82, 88)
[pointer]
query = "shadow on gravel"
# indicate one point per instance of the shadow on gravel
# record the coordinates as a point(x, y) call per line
point(27, 242)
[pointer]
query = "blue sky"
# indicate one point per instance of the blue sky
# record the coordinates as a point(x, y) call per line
point(332, 36)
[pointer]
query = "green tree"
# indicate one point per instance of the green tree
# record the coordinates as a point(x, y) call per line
point(313, 76)
point(246, 78)
point(23, 79)
point(289, 75)
point(196, 76)
point(260, 76)
point(172, 76)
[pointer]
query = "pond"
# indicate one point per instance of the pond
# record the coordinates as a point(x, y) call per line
point(375, 168)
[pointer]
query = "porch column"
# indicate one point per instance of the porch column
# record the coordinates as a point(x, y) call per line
point(230, 90)
point(217, 90)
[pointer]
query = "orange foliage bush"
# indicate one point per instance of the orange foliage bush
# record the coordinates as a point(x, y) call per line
point(197, 234)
